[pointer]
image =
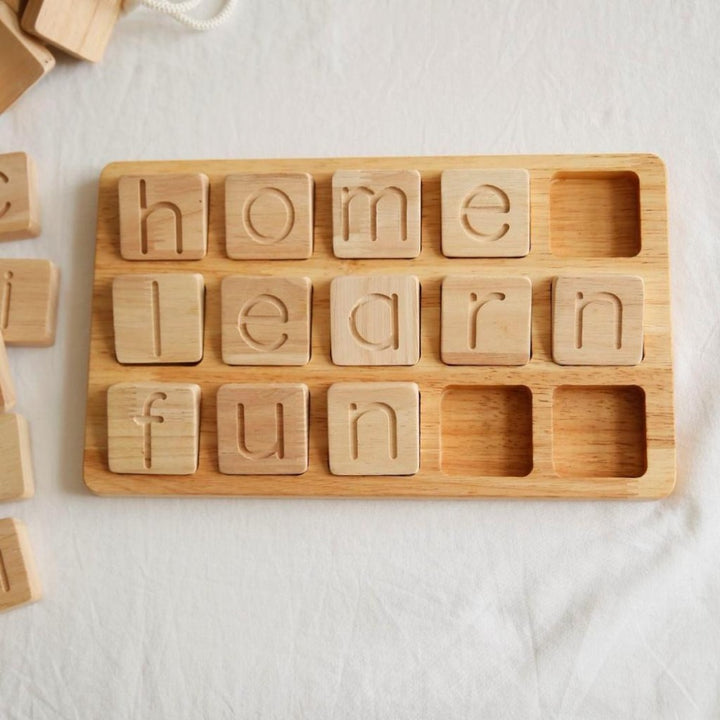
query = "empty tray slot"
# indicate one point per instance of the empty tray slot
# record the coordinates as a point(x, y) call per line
point(487, 431)
point(595, 214)
point(599, 431)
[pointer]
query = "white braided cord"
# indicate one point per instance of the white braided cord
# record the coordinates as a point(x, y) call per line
point(180, 12)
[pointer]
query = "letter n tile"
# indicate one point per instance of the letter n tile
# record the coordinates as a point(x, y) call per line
point(263, 429)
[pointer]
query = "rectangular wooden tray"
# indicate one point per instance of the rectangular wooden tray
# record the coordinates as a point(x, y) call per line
point(537, 430)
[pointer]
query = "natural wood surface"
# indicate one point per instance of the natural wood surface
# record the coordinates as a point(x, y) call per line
point(19, 583)
point(16, 6)
point(7, 386)
point(158, 318)
point(269, 216)
point(79, 27)
point(28, 301)
point(16, 476)
point(484, 430)
point(19, 206)
point(23, 60)
point(485, 213)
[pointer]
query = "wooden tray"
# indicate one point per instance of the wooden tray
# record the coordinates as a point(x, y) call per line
point(536, 430)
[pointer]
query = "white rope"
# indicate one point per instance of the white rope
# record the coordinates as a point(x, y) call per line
point(180, 10)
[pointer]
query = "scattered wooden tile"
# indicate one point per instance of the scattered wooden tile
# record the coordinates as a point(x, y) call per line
point(19, 206)
point(269, 216)
point(19, 583)
point(7, 387)
point(16, 476)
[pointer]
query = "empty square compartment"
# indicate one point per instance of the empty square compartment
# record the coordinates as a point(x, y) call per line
point(599, 431)
point(487, 431)
point(595, 214)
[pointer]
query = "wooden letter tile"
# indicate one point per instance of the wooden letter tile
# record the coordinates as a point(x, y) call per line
point(374, 428)
point(7, 387)
point(19, 583)
point(23, 61)
point(19, 208)
point(485, 213)
point(79, 27)
point(376, 213)
point(153, 428)
point(597, 320)
point(16, 476)
point(163, 217)
point(263, 429)
point(158, 318)
point(265, 320)
point(486, 321)
point(269, 216)
point(28, 301)
point(375, 320)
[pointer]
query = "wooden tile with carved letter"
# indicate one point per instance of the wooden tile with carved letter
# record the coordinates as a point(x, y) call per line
point(265, 320)
point(153, 428)
point(79, 27)
point(19, 582)
point(23, 60)
point(16, 475)
point(376, 213)
point(486, 213)
point(158, 318)
point(374, 428)
point(163, 217)
point(269, 216)
point(375, 320)
point(263, 428)
point(19, 206)
point(597, 319)
point(7, 386)
point(485, 320)
point(28, 301)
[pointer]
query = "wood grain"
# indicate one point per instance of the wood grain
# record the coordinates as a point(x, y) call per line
point(452, 432)
point(7, 386)
point(19, 205)
point(16, 475)
point(19, 583)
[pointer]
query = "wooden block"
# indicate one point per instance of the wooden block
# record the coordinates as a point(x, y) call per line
point(28, 301)
point(81, 28)
point(375, 320)
point(23, 60)
point(485, 213)
point(163, 217)
point(374, 428)
point(486, 321)
point(19, 207)
point(19, 583)
point(158, 318)
point(263, 429)
point(17, 6)
point(265, 320)
point(16, 476)
point(153, 428)
point(7, 387)
point(597, 319)
point(376, 213)
point(269, 216)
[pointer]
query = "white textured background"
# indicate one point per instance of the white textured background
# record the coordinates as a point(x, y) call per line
point(374, 609)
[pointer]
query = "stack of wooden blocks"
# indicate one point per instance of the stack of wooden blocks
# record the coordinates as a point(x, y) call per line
point(28, 305)
point(80, 28)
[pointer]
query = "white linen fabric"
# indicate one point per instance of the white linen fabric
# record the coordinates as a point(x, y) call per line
point(232, 608)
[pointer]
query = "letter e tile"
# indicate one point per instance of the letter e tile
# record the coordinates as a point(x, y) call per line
point(597, 320)
point(263, 429)
point(374, 428)
point(19, 583)
point(486, 321)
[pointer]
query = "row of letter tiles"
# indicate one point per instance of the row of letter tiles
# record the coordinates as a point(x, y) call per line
point(375, 319)
point(262, 429)
point(375, 214)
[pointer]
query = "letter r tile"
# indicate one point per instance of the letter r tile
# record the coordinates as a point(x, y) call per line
point(374, 428)
point(375, 320)
point(263, 429)
point(265, 320)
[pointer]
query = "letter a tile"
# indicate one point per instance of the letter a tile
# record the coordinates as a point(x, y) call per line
point(265, 320)
point(375, 320)
point(597, 320)
point(153, 428)
point(376, 213)
point(263, 429)
point(374, 428)
point(163, 217)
